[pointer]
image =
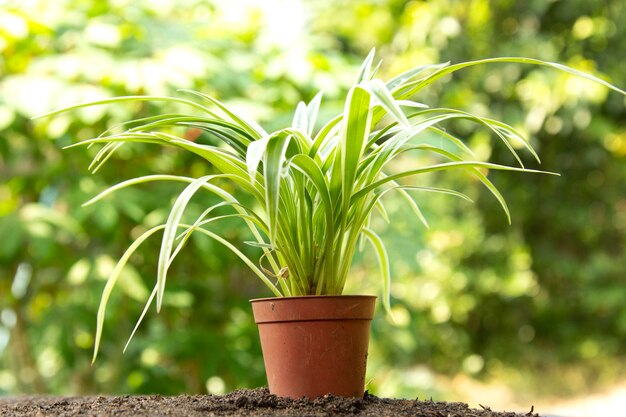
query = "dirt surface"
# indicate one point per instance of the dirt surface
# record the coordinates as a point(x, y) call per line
point(257, 402)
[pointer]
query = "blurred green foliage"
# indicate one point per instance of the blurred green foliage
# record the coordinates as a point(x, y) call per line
point(472, 294)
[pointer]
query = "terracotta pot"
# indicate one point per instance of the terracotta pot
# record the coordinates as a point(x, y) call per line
point(315, 345)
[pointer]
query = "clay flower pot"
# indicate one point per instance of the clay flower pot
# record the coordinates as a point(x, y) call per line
point(315, 345)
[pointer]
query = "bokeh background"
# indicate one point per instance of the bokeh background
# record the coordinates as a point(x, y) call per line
point(486, 312)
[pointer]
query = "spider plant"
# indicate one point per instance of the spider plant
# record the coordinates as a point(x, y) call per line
point(316, 190)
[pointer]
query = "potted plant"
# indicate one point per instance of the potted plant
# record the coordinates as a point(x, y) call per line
point(315, 192)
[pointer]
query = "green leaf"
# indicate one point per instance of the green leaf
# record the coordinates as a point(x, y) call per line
point(169, 234)
point(409, 75)
point(112, 280)
point(300, 118)
point(408, 90)
point(146, 179)
point(259, 245)
point(254, 155)
point(366, 67)
point(356, 127)
point(244, 258)
point(383, 262)
point(116, 100)
point(386, 100)
point(312, 111)
point(444, 167)
point(272, 172)
point(309, 168)
point(412, 104)
point(249, 126)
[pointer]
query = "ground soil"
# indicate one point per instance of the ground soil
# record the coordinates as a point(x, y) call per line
point(257, 402)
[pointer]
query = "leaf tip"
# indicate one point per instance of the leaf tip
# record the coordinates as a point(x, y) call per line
point(391, 317)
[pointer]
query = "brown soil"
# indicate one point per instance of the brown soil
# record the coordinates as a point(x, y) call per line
point(257, 402)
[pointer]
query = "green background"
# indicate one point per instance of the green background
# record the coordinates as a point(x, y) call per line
point(537, 306)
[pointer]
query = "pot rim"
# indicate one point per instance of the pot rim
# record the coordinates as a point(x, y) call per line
point(316, 297)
